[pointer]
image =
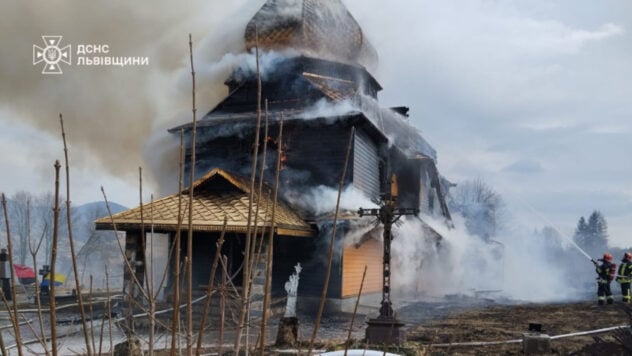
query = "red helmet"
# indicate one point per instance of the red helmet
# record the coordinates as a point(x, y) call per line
point(607, 257)
point(627, 256)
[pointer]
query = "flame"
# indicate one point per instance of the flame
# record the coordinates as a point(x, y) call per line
point(274, 145)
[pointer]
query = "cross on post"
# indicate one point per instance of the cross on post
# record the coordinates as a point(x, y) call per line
point(385, 329)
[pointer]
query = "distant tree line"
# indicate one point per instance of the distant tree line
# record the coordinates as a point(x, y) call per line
point(592, 234)
point(480, 205)
point(31, 221)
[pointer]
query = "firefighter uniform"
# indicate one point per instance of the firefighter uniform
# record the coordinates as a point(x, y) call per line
point(624, 276)
point(605, 271)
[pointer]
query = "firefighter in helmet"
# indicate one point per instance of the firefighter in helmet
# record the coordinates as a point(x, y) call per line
point(605, 272)
point(624, 277)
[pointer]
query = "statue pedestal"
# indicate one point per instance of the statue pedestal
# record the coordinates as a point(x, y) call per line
point(287, 335)
point(385, 331)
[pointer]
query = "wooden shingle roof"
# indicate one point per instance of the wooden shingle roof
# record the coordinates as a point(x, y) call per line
point(320, 28)
point(217, 195)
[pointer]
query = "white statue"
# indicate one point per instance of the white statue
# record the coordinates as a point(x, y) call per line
point(291, 287)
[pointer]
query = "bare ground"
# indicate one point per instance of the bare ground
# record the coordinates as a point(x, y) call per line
point(497, 323)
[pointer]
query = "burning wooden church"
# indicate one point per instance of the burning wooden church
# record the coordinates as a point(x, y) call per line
point(314, 75)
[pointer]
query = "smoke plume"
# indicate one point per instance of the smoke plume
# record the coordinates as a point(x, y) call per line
point(109, 112)
point(517, 266)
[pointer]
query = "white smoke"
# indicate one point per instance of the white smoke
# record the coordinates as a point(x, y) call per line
point(325, 109)
point(516, 266)
point(322, 200)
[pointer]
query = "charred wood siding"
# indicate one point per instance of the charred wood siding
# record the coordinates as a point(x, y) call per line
point(408, 177)
point(285, 86)
point(312, 254)
point(354, 259)
point(366, 165)
point(204, 250)
point(314, 153)
point(232, 153)
point(317, 154)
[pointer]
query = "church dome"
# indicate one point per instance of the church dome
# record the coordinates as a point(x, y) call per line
point(316, 28)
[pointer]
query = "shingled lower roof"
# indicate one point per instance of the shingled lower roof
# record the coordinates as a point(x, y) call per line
point(217, 195)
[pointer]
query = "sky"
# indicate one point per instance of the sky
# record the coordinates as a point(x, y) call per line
point(533, 97)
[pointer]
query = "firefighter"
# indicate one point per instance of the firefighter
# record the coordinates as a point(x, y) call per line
point(624, 277)
point(605, 271)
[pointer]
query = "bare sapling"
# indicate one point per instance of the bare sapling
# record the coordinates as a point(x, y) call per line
point(41, 336)
point(175, 327)
point(355, 311)
point(71, 243)
point(2, 347)
point(91, 313)
point(14, 318)
point(148, 274)
point(37, 298)
point(209, 288)
point(245, 303)
point(332, 240)
point(53, 262)
point(128, 267)
point(14, 323)
point(222, 305)
point(254, 251)
point(190, 226)
point(270, 246)
point(102, 329)
point(109, 309)
point(154, 291)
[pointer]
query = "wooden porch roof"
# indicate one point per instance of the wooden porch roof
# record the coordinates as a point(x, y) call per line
point(217, 195)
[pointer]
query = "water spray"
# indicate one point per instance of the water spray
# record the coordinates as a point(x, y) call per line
point(543, 218)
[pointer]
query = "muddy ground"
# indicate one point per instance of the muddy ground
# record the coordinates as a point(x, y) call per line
point(507, 322)
point(461, 319)
point(453, 319)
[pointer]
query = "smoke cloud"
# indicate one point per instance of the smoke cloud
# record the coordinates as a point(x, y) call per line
point(517, 266)
point(109, 112)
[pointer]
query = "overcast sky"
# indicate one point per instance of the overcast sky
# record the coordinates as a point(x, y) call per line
point(533, 97)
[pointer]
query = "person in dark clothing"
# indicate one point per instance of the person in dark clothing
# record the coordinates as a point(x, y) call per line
point(605, 272)
point(624, 276)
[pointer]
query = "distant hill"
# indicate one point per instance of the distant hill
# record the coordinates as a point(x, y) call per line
point(83, 217)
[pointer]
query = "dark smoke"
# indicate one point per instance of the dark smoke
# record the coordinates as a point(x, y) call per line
point(110, 112)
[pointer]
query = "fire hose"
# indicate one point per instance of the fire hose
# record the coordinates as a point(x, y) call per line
point(516, 341)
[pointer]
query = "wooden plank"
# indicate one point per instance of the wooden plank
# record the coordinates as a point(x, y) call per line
point(354, 260)
point(366, 172)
